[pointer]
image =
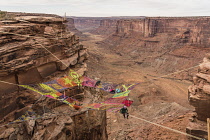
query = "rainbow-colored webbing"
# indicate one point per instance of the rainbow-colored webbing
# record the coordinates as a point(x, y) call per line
point(53, 88)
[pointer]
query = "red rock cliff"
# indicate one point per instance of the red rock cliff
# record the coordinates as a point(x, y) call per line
point(199, 97)
point(107, 27)
point(23, 60)
point(71, 26)
point(193, 29)
point(86, 24)
point(165, 44)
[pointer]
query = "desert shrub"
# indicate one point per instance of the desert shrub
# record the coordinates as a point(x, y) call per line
point(6, 16)
point(2, 14)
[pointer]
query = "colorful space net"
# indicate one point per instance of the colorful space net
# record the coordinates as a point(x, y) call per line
point(52, 89)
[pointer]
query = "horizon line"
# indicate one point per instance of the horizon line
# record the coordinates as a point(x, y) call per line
point(103, 16)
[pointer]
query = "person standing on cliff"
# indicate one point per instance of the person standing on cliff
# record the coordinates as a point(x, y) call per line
point(124, 111)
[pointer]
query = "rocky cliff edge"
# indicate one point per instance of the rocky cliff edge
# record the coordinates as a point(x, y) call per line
point(24, 60)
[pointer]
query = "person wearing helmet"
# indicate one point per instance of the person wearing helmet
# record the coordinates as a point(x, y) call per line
point(124, 111)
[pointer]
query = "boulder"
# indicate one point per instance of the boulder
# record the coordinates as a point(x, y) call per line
point(68, 61)
point(206, 89)
point(47, 69)
point(29, 77)
point(8, 88)
point(204, 76)
point(7, 133)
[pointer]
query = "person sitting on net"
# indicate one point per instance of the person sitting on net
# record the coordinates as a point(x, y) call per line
point(97, 83)
point(118, 90)
point(112, 91)
point(124, 111)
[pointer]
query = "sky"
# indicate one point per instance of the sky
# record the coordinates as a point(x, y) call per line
point(104, 8)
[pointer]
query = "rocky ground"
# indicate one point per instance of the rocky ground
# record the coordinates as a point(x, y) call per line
point(163, 101)
point(159, 100)
point(24, 60)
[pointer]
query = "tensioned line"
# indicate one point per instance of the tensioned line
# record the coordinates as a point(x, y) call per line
point(53, 54)
point(167, 127)
point(130, 115)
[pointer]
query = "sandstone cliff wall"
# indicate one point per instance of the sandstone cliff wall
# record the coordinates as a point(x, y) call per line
point(164, 44)
point(199, 98)
point(107, 27)
point(193, 30)
point(86, 24)
point(97, 25)
point(71, 27)
point(22, 56)
point(129, 26)
point(23, 60)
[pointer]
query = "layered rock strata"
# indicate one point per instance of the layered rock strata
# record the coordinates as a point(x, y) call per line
point(24, 59)
point(107, 27)
point(96, 24)
point(71, 27)
point(86, 24)
point(164, 44)
point(199, 97)
point(192, 29)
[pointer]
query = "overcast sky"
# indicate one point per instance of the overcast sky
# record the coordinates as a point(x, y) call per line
point(110, 7)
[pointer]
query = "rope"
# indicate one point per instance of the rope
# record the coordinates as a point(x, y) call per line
point(144, 82)
point(9, 83)
point(67, 66)
point(166, 127)
point(38, 100)
point(38, 44)
point(136, 118)
point(53, 55)
point(43, 106)
point(130, 115)
point(178, 71)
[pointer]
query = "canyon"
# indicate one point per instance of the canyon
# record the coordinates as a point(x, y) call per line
point(163, 43)
point(169, 49)
point(164, 54)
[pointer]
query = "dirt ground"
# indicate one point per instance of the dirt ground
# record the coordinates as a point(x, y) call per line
point(163, 101)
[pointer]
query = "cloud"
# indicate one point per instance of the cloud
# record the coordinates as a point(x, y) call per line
point(34, 2)
point(110, 7)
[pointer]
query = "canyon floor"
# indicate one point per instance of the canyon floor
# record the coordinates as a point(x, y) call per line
point(163, 101)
